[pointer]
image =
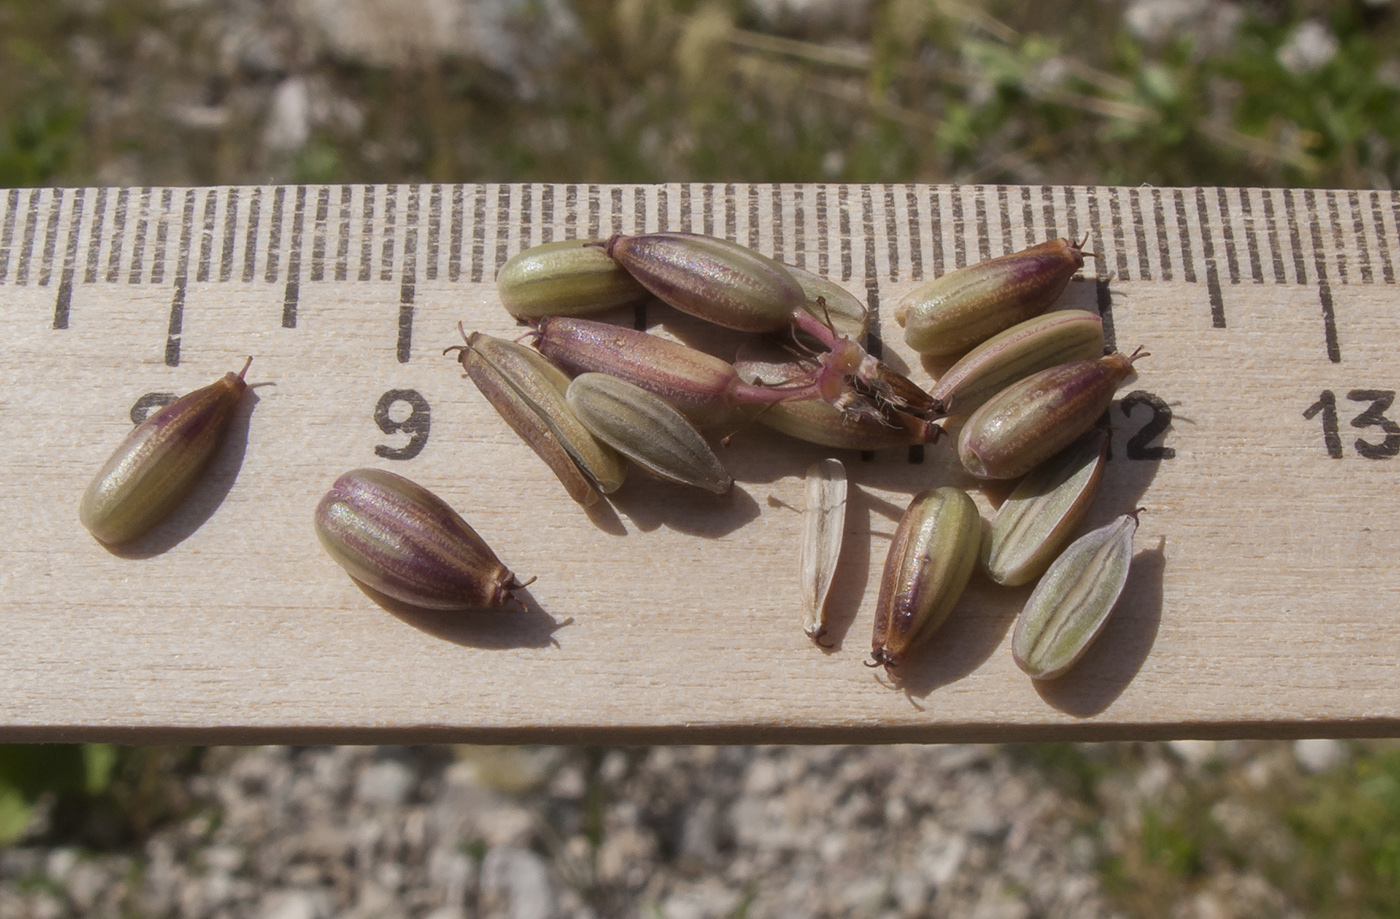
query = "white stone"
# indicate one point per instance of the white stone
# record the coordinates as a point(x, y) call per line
point(1319, 754)
point(292, 904)
point(388, 783)
point(519, 878)
point(1195, 753)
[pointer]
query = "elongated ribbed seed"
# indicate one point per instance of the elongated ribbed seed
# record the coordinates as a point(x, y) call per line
point(397, 537)
point(529, 393)
point(719, 281)
point(704, 388)
point(824, 524)
point(830, 303)
point(1040, 516)
point(1071, 603)
point(1026, 348)
point(159, 462)
point(647, 431)
point(965, 307)
point(818, 422)
point(1030, 421)
point(569, 278)
point(931, 558)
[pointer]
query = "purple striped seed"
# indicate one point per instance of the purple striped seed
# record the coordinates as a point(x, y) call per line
point(717, 280)
point(1030, 421)
point(395, 536)
point(930, 561)
point(704, 388)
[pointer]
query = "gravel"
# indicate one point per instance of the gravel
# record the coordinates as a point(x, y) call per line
point(537, 833)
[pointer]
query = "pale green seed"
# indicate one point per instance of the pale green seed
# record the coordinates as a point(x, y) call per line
point(1029, 347)
point(567, 278)
point(1036, 521)
point(1070, 605)
point(646, 430)
point(160, 462)
point(822, 532)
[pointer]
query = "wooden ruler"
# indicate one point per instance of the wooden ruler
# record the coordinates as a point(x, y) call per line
point(1260, 437)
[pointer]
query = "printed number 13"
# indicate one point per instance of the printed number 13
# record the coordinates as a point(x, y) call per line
point(1374, 416)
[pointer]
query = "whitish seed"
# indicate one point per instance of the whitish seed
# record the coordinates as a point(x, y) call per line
point(931, 558)
point(1070, 605)
point(1029, 347)
point(402, 540)
point(1037, 519)
point(568, 278)
point(823, 527)
point(647, 431)
point(159, 462)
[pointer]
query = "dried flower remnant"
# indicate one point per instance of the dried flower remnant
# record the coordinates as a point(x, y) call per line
point(931, 558)
point(160, 461)
point(568, 278)
point(1038, 518)
point(824, 521)
point(400, 539)
point(1070, 605)
point(818, 422)
point(529, 393)
point(1026, 348)
point(1030, 421)
point(719, 281)
point(965, 307)
point(647, 431)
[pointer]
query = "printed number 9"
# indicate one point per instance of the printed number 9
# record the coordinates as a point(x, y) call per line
point(416, 425)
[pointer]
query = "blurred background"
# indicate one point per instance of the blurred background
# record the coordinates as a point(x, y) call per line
point(1168, 92)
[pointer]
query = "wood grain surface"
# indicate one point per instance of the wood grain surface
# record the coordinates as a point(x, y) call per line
point(1264, 591)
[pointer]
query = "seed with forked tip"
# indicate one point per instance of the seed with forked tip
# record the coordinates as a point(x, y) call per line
point(647, 431)
point(960, 309)
point(1070, 605)
point(528, 392)
point(160, 461)
point(931, 559)
point(397, 537)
